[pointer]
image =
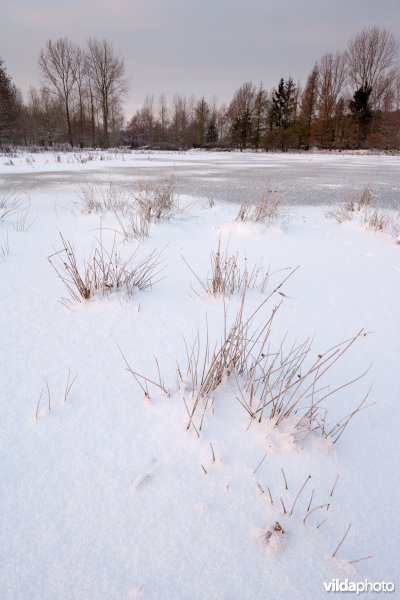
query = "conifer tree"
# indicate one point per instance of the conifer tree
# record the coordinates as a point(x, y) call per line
point(9, 106)
point(212, 131)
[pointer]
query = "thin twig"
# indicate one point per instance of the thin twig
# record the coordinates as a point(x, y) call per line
point(261, 461)
point(37, 407)
point(334, 485)
point(48, 392)
point(297, 497)
point(320, 507)
point(284, 477)
point(351, 562)
point(283, 505)
point(212, 452)
point(342, 540)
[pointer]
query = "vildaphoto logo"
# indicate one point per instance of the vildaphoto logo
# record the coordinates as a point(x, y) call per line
point(359, 587)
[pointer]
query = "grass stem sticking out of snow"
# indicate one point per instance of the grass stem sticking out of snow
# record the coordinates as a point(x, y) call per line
point(334, 485)
point(320, 507)
point(284, 479)
point(69, 385)
point(38, 405)
point(342, 540)
point(298, 495)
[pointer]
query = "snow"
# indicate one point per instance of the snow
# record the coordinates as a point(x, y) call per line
point(108, 495)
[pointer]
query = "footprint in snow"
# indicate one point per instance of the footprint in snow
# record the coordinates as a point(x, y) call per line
point(139, 482)
point(142, 479)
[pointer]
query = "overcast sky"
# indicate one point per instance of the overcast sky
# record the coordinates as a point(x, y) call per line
point(205, 47)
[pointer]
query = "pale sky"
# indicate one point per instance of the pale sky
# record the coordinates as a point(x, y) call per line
point(204, 47)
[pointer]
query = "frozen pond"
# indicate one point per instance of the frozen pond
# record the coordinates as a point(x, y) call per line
point(301, 179)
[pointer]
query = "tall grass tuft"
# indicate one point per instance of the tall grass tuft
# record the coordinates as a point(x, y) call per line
point(104, 271)
point(228, 277)
point(268, 209)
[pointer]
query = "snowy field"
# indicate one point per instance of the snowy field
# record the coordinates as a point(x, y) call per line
point(177, 442)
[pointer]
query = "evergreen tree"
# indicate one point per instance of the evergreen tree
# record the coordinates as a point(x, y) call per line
point(283, 114)
point(9, 107)
point(361, 112)
point(212, 131)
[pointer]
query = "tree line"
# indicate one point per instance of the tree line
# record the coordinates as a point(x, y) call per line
point(351, 99)
point(79, 103)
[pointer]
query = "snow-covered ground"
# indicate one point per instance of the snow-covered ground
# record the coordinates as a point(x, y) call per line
point(106, 492)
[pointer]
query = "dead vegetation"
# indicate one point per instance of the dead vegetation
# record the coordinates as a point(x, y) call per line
point(158, 199)
point(135, 211)
point(95, 197)
point(275, 383)
point(105, 271)
point(10, 205)
point(228, 276)
point(366, 210)
point(268, 209)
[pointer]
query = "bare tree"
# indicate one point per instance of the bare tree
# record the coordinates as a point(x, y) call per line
point(82, 91)
point(240, 114)
point(331, 82)
point(148, 118)
point(106, 74)
point(41, 117)
point(58, 64)
point(163, 117)
point(260, 115)
point(370, 55)
point(201, 120)
point(179, 119)
point(308, 107)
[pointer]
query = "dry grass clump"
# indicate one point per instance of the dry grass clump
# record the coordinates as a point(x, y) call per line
point(227, 277)
point(95, 197)
point(342, 212)
point(352, 204)
point(366, 210)
point(376, 219)
point(15, 206)
point(21, 222)
point(105, 271)
point(10, 205)
point(157, 200)
point(268, 209)
point(134, 225)
point(269, 382)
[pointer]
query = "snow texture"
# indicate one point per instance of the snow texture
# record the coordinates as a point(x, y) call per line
point(106, 493)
